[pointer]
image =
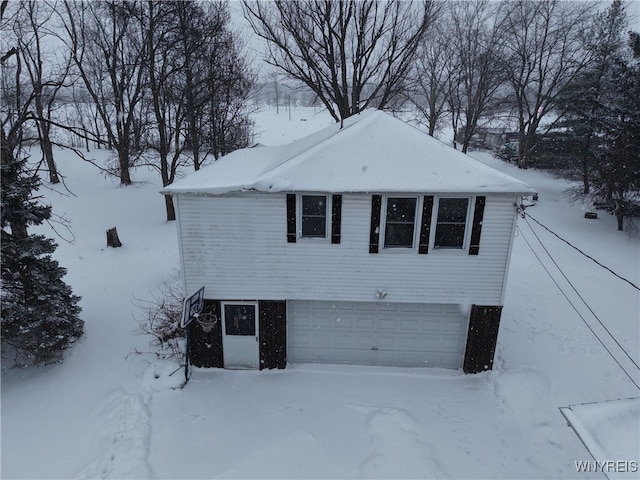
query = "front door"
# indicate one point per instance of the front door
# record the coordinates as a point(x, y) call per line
point(240, 334)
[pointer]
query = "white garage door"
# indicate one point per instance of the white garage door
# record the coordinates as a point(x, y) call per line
point(376, 333)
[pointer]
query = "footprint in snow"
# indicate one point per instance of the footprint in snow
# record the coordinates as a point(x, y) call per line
point(396, 449)
point(123, 444)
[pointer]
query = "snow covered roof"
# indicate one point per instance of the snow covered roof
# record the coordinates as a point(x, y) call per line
point(609, 430)
point(372, 152)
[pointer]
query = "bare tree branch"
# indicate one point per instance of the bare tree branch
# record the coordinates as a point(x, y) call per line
point(351, 54)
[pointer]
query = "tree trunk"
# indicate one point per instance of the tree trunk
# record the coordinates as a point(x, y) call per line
point(585, 179)
point(45, 141)
point(112, 238)
point(47, 151)
point(123, 163)
point(432, 125)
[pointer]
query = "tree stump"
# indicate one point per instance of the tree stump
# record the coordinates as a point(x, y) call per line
point(112, 238)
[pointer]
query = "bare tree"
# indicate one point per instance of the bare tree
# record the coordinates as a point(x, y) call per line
point(428, 82)
point(197, 87)
point(108, 49)
point(352, 54)
point(230, 82)
point(33, 80)
point(543, 54)
point(46, 71)
point(16, 110)
point(166, 96)
point(274, 77)
point(216, 81)
point(84, 120)
point(199, 26)
point(474, 45)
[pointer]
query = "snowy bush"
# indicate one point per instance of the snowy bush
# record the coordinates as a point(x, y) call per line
point(160, 319)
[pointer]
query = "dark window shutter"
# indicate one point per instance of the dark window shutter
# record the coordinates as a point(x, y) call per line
point(374, 236)
point(425, 227)
point(482, 337)
point(205, 348)
point(273, 333)
point(336, 218)
point(476, 228)
point(291, 218)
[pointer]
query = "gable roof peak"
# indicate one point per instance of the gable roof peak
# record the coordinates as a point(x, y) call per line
point(371, 151)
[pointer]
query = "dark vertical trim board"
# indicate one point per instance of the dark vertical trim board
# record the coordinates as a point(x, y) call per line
point(374, 235)
point(273, 333)
point(205, 349)
point(476, 228)
point(336, 218)
point(482, 338)
point(425, 227)
point(291, 217)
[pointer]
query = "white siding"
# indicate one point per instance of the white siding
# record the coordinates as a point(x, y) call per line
point(236, 246)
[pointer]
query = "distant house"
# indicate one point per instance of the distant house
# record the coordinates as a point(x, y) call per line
point(489, 138)
point(368, 244)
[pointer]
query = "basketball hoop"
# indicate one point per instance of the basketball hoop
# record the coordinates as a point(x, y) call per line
point(207, 321)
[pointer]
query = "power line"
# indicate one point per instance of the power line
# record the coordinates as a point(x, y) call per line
point(578, 312)
point(525, 214)
point(580, 296)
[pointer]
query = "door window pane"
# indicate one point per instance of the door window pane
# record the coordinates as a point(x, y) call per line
point(400, 222)
point(240, 319)
point(451, 223)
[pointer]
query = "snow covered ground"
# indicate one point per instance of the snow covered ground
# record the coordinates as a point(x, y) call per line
point(104, 414)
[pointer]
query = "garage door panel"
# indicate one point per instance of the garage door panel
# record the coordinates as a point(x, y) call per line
point(385, 342)
point(363, 306)
point(364, 340)
point(344, 339)
point(427, 360)
point(365, 323)
point(431, 343)
point(431, 325)
point(411, 343)
point(342, 306)
point(321, 320)
point(406, 325)
point(376, 333)
point(390, 324)
point(454, 325)
point(344, 323)
point(447, 359)
point(386, 307)
point(301, 339)
point(449, 344)
point(409, 307)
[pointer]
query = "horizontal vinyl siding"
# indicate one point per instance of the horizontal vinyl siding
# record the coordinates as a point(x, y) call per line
point(236, 246)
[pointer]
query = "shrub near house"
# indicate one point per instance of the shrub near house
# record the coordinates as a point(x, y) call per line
point(368, 244)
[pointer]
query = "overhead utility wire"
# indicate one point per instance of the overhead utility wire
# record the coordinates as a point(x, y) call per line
point(580, 315)
point(580, 296)
point(523, 213)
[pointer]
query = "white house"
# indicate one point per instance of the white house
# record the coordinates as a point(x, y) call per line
point(370, 243)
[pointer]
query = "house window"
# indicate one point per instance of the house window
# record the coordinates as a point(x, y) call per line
point(451, 222)
point(313, 216)
point(400, 219)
